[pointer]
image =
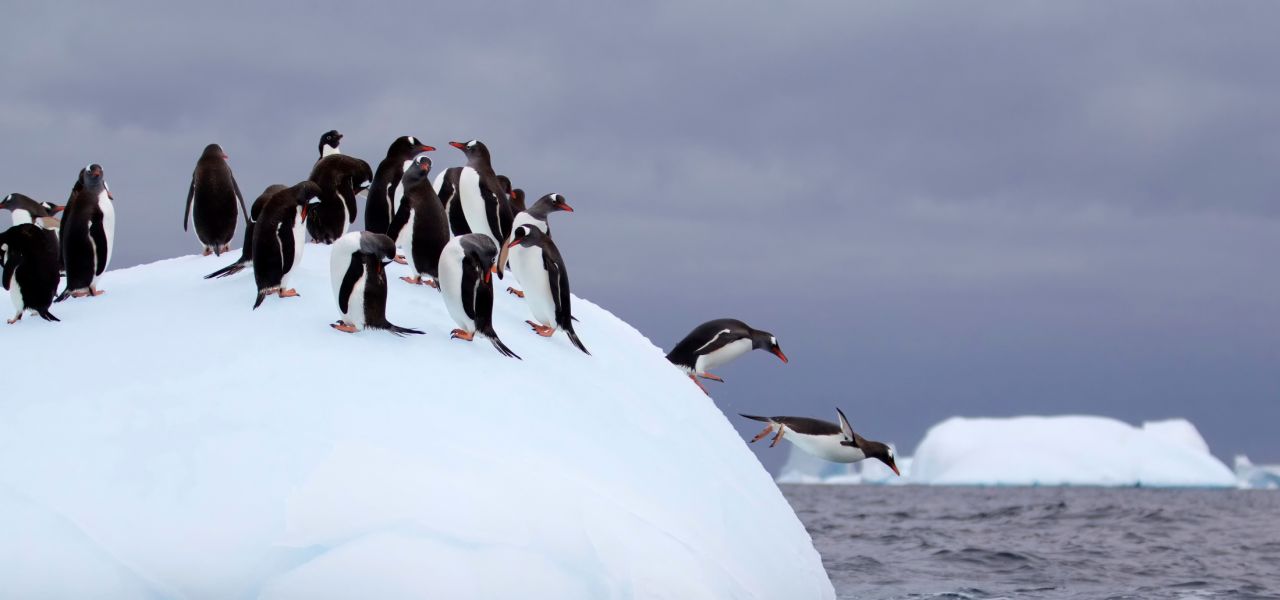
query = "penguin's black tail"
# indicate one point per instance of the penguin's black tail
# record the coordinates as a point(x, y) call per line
point(228, 270)
point(573, 337)
point(755, 418)
point(395, 329)
point(64, 295)
point(46, 315)
point(497, 343)
point(261, 296)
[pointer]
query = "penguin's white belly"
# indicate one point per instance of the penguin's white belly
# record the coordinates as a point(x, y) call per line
point(406, 241)
point(439, 181)
point(15, 292)
point(525, 218)
point(529, 269)
point(21, 217)
point(108, 224)
point(355, 304)
point(473, 205)
point(826, 447)
point(723, 355)
point(451, 284)
point(299, 244)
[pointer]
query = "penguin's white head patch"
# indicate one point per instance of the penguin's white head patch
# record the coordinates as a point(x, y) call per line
point(413, 140)
point(471, 144)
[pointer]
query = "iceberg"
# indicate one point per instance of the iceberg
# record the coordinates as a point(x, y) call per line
point(1066, 450)
point(1256, 477)
point(185, 446)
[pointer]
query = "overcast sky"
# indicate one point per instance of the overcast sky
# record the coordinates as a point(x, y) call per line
point(939, 209)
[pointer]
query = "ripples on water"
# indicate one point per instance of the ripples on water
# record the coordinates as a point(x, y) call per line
point(979, 543)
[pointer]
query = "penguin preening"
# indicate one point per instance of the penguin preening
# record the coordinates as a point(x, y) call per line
point(717, 342)
point(213, 197)
point(24, 210)
point(538, 265)
point(29, 269)
point(536, 216)
point(340, 178)
point(826, 440)
point(329, 141)
point(357, 268)
point(466, 265)
point(420, 225)
point(246, 249)
point(87, 234)
point(379, 209)
point(475, 198)
point(278, 239)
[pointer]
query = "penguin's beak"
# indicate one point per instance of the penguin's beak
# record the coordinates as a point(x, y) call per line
point(56, 208)
point(458, 145)
point(225, 157)
point(895, 469)
point(426, 148)
point(565, 206)
point(502, 256)
point(778, 352)
point(488, 275)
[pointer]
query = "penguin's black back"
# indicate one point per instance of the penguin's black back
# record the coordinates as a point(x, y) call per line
point(273, 239)
point(430, 225)
point(31, 260)
point(74, 234)
point(686, 352)
point(214, 196)
point(338, 175)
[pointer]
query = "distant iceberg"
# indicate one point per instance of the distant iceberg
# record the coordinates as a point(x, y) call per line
point(1067, 450)
point(1258, 477)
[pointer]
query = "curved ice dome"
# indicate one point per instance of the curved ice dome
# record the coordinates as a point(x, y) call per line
point(166, 441)
point(1066, 450)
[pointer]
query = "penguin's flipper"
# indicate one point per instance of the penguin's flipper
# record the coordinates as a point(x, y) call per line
point(471, 284)
point(191, 194)
point(235, 186)
point(494, 216)
point(348, 194)
point(355, 270)
point(285, 237)
point(98, 233)
point(11, 261)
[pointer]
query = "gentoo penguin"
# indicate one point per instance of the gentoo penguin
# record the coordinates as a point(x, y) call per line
point(278, 239)
point(357, 270)
point(537, 217)
point(378, 208)
point(340, 178)
point(420, 225)
point(87, 234)
point(538, 265)
point(517, 202)
point(214, 195)
point(466, 264)
point(29, 269)
point(826, 440)
point(329, 141)
point(717, 342)
point(26, 210)
point(475, 198)
point(246, 249)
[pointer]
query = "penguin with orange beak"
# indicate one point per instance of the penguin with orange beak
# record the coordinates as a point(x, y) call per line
point(825, 440)
point(466, 281)
point(278, 239)
point(719, 342)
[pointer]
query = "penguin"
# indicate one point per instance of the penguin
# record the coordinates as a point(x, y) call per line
point(214, 194)
point(537, 217)
point(25, 210)
point(340, 178)
point(420, 225)
point(517, 202)
point(357, 268)
point(329, 141)
point(826, 440)
point(466, 265)
point(538, 265)
point(246, 248)
point(278, 239)
point(474, 196)
point(718, 342)
point(29, 270)
point(378, 208)
point(87, 234)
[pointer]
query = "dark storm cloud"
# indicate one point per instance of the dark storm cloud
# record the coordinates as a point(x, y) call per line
point(939, 209)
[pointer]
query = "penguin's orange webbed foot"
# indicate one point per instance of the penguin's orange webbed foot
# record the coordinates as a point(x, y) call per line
point(289, 293)
point(431, 283)
point(462, 334)
point(413, 280)
point(763, 434)
point(712, 377)
point(515, 292)
point(401, 259)
point(695, 381)
point(341, 326)
point(777, 437)
point(542, 330)
point(15, 319)
point(96, 292)
point(207, 251)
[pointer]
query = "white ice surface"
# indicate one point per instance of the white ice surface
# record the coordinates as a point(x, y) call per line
point(1066, 450)
point(164, 440)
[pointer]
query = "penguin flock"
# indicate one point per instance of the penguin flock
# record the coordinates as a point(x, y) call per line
point(455, 232)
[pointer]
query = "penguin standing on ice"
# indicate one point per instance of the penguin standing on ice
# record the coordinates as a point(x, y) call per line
point(538, 265)
point(379, 206)
point(466, 265)
point(278, 239)
point(536, 216)
point(717, 342)
point(246, 249)
point(475, 198)
point(357, 268)
point(340, 178)
point(826, 440)
point(329, 141)
point(87, 234)
point(420, 225)
point(26, 210)
point(214, 195)
point(29, 269)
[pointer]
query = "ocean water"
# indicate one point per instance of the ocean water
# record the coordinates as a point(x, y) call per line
point(938, 542)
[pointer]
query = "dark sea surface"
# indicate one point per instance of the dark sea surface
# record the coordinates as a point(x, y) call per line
point(940, 542)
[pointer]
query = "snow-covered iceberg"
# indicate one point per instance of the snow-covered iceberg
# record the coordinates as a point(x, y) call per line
point(165, 441)
point(1256, 477)
point(1066, 450)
